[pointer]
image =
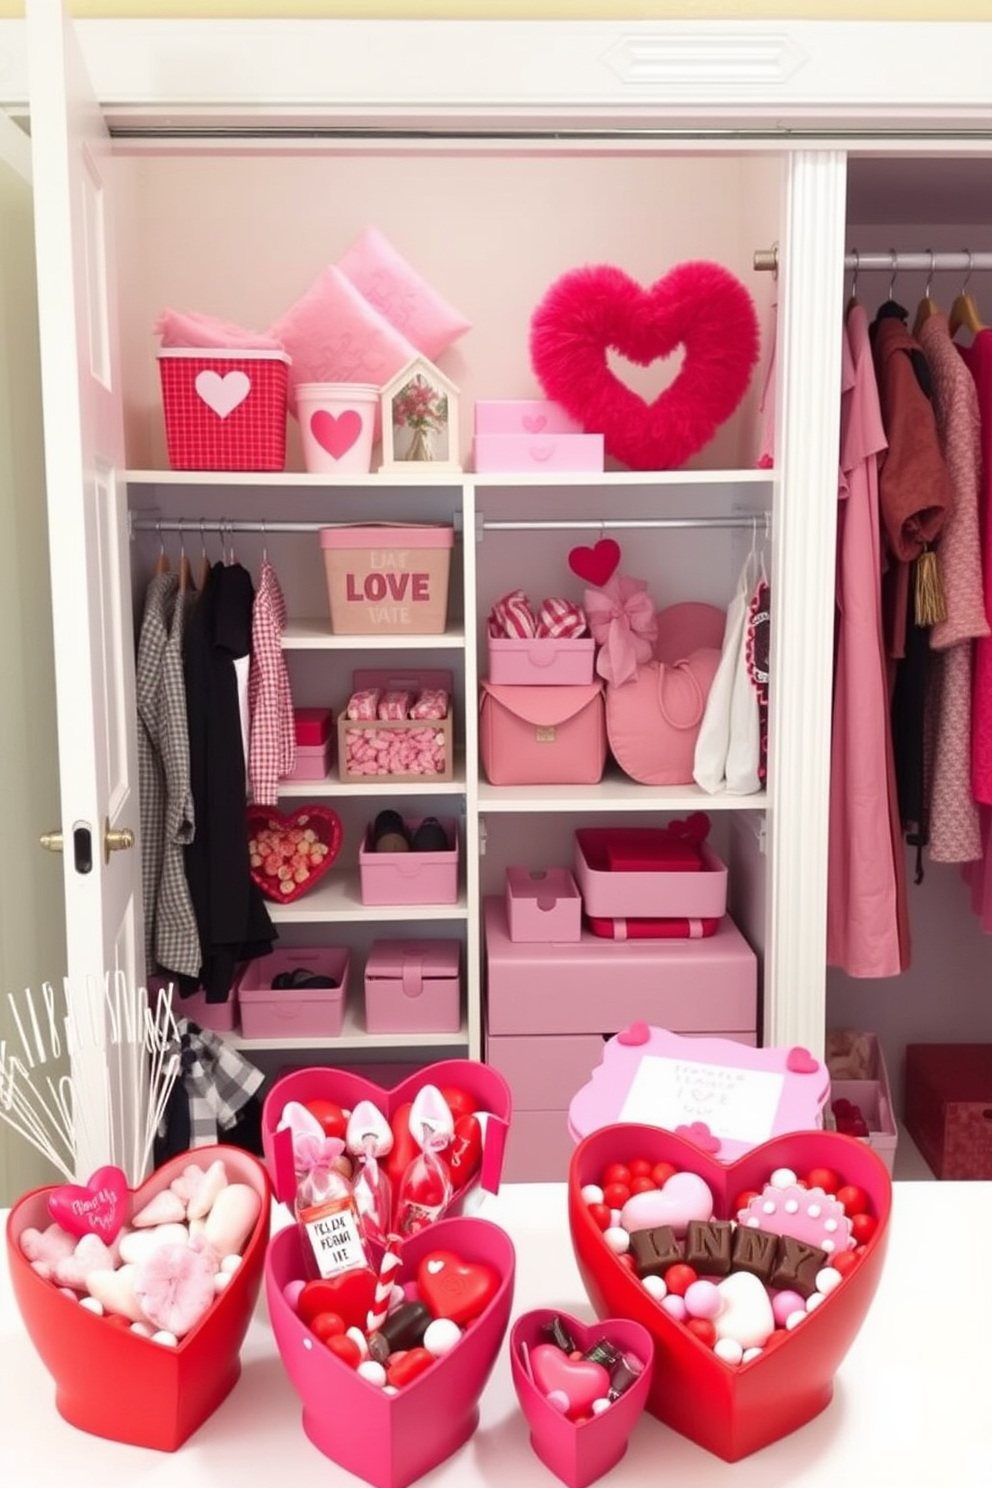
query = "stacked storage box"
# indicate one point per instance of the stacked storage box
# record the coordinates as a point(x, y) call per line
point(531, 434)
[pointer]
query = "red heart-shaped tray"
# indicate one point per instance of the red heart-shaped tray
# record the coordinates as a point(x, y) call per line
point(289, 854)
point(112, 1382)
point(732, 1410)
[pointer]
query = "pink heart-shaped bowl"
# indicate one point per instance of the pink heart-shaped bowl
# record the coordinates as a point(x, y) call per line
point(389, 1440)
point(112, 1382)
point(732, 1410)
point(579, 1453)
point(486, 1087)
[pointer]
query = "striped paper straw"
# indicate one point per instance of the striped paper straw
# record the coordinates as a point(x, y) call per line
point(391, 1262)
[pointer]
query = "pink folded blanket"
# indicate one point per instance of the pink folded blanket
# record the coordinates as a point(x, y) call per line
point(189, 328)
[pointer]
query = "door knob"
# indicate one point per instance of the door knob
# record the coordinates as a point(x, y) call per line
point(115, 839)
point(51, 841)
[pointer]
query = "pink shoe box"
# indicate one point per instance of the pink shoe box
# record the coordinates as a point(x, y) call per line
point(410, 877)
point(219, 1017)
point(313, 762)
point(312, 726)
point(413, 986)
point(543, 905)
point(665, 894)
point(702, 986)
point(531, 416)
point(541, 661)
point(527, 453)
point(269, 1012)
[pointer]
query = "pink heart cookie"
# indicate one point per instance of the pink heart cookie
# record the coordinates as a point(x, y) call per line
point(89, 1255)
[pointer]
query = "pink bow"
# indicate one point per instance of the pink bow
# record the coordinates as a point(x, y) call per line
point(623, 622)
point(315, 1155)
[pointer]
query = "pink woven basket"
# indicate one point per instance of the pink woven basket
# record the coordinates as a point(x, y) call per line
point(224, 410)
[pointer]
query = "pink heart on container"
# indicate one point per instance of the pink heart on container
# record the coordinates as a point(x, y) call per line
point(801, 1062)
point(97, 1209)
point(336, 433)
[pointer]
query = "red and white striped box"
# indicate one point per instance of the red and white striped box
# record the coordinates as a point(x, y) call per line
point(224, 410)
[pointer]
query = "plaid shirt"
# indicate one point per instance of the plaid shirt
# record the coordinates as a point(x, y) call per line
point(216, 1079)
point(272, 739)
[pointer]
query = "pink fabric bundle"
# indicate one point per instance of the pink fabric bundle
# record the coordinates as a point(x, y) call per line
point(512, 618)
point(189, 328)
point(432, 702)
point(394, 705)
point(560, 619)
point(363, 705)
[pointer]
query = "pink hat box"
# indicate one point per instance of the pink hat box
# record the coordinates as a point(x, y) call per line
point(224, 410)
point(391, 1440)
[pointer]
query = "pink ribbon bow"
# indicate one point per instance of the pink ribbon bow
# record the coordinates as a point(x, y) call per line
point(623, 622)
point(315, 1155)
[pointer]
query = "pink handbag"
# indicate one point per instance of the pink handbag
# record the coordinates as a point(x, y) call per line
point(542, 735)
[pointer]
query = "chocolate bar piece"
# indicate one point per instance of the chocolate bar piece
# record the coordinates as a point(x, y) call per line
point(708, 1246)
point(654, 1250)
point(755, 1250)
point(797, 1264)
point(403, 1329)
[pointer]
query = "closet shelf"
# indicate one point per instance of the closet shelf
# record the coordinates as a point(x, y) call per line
point(614, 793)
point(314, 635)
point(269, 479)
point(379, 785)
point(354, 1036)
point(445, 480)
point(338, 897)
point(614, 479)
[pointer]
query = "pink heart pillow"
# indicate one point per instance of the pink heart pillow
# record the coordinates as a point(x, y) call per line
point(394, 288)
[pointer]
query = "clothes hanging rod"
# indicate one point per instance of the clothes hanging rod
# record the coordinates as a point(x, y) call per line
point(759, 519)
point(193, 526)
point(890, 261)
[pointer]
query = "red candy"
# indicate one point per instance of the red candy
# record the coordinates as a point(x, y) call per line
point(327, 1325)
point(642, 1184)
point(600, 1215)
point(824, 1178)
point(330, 1115)
point(400, 1371)
point(617, 1173)
point(863, 1226)
point(679, 1278)
point(346, 1349)
point(854, 1200)
point(616, 1195)
point(640, 1167)
point(661, 1172)
point(458, 1101)
point(845, 1261)
point(744, 1198)
point(704, 1330)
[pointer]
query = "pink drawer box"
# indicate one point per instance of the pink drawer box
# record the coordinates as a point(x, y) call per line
point(410, 877)
point(543, 905)
point(313, 762)
point(506, 453)
point(529, 416)
point(541, 661)
point(270, 1012)
point(219, 1017)
point(312, 725)
point(647, 895)
point(413, 986)
point(688, 986)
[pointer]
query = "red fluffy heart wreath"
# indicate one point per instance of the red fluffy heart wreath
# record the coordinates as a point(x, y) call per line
point(700, 306)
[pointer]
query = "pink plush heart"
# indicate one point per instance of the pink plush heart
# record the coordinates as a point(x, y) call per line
point(336, 433)
point(800, 1061)
point(634, 1034)
point(596, 565)
point(97, 1209)
point(700, 307)
point(580, 1381)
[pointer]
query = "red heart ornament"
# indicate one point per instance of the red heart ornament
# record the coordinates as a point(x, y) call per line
point(699, 306)
point(350, 1295)
point(464, 1153)
point(289, 855)
point(336, 433)
point(454, 1288)
point(732, 1411)
point(596, 565)
point(97, 1209)
point(111, 1382)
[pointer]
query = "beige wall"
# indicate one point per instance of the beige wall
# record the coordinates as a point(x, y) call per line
point(860, 10)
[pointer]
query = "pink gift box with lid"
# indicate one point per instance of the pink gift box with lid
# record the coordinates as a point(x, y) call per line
point(543, 905)
point(413, 986)
point(505, 453)
point(313, 762)
point(312, 726)
point(541, 661)
point(529, 416)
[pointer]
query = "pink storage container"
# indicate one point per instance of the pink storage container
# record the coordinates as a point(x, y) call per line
point(413, 986)
point(543, 905)
point(386, 578)
point(530, 416)
point(541, 661)
point(224, 410)
point(313, 762)
point(647, 895)
point(270, 1012)
point(410, 877)
point(219, 1017)
point(536, 452)
point(312, 725)
point(542, 735)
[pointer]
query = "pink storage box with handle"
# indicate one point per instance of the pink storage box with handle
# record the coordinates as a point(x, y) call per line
point(542, 735)
point(219, 1017)
point(530, 416)
point(536, 452)
point(543, 904)
point(413, 986)
point(298, 1010)
point(541, 661)
point(696, 892)
point(410, 877)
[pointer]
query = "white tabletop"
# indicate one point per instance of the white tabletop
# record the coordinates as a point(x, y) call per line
point(911, 1405)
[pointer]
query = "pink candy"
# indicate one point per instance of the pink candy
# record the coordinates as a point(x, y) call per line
point(394, 705)
point(432, 702)
point(415, 751)
point(363, 704)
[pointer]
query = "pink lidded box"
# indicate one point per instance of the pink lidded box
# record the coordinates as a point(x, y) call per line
point(530, 416)
point(543, 905)
point(280, 997)
point(542, 735)
point(413, 986)
point(410, 877)
point(312, 726)
point(499, 453)
point(541, 661)
point(692, 890)
point(219, 1017)
point(313, 762)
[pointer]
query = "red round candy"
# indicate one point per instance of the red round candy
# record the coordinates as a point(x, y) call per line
point(643, 1183)
point(640, 1167)
point(628, 1261)
point(744, 1198)
point(327, 1325)
point(704, 1330)
point(616, 1195)
point(679, 1278)
point(600, 1215)
point(330, 1115)
point(617, 1173)
point(662, 1171)
point(346, 1349)
point(824, 1178)
point(845, 1261)
point(458, 1101)
point(854, 1199)
point(863, 1226)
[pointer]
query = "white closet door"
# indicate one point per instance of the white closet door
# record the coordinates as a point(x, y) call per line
point(94, 651)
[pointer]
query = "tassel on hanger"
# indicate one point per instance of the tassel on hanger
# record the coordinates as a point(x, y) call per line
point(929, 602)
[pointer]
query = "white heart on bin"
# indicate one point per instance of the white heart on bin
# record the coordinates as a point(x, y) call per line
point(223, 394)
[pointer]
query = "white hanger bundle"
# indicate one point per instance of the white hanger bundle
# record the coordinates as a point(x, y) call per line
point(125, 1051)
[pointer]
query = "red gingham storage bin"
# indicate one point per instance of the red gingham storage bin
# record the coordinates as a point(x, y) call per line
point(224, 410)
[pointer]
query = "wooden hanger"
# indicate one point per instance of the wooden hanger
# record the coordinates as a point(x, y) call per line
point(927, 306)
point(964, 312)
point(204, 560)
point(162, 565)
point(185, 574)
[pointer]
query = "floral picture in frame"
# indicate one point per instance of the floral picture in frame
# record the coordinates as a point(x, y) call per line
point(420, 420)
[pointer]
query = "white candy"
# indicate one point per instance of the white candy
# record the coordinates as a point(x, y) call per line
point(791, 1206)
point(138, 1245)
point(358, 1338)
point(729, 1350)
point(795, 1318)
point(396, 1297)
point(92, 1305)
point(616, 1216)
point(746, 1315)
point(441, 1336)
point(221, 1280)
point(827, 1279)
point(143, 1330)
point(655, 1287)
point(390, 1390)
point(813, 1302)
point(782, 1178)
point(165, 1337)
point(749, 1354)
point(617, 1239)
point(372, 1370)
point(230, 1264)
point(592, 1194)
point(599, 1406)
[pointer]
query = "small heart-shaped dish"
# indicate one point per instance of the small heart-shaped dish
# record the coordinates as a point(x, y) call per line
point(578, 1454)
point(289, 854)
point(389, 1440)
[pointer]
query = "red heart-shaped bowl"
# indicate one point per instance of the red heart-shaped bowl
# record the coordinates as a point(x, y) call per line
point(486, 1087)
point(389, 1440)
point(579, 1453)
point(280, 849)
point(732, 1410)
point(112, 1382)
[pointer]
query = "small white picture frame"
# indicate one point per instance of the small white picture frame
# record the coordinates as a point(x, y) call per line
point(420, 420)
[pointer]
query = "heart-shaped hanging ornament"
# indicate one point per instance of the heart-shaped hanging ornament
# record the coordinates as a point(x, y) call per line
point(596, 565)
point(289, 854)
point(698, 306)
